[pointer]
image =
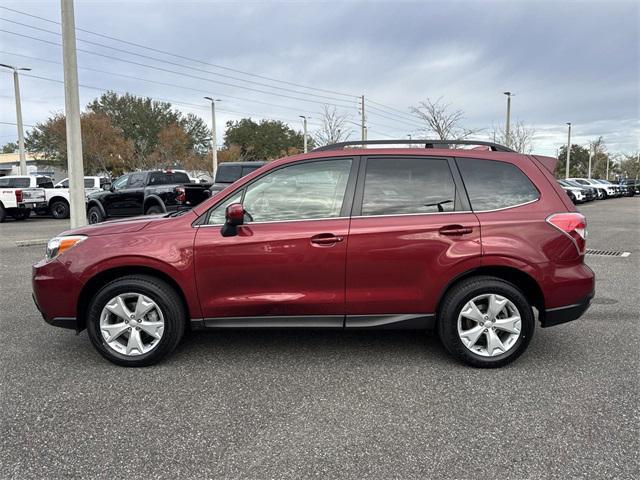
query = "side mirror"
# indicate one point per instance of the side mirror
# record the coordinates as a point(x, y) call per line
point(234, 216)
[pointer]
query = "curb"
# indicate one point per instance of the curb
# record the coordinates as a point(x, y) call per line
point(32, 242)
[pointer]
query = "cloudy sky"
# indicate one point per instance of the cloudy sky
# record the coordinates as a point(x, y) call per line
point(572, 61)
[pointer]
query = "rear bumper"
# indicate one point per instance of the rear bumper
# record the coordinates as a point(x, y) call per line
point(559, 315)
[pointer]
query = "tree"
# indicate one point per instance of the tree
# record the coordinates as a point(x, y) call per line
point(142, 119)
point(104, 148)
point(630, 165)
point(521, 137)
point(266, 140)
point(10, 147)
point(579, 162)
point(334, 128)
point(440, 120)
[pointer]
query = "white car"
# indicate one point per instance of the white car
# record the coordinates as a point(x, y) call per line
point(91, 184)
point(604, 190)
point(19, 196)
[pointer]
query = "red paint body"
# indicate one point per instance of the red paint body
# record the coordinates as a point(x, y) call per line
point(392, 264)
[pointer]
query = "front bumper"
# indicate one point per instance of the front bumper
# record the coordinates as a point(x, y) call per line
point(55, 293)
point(62, 322)
point(559, 315)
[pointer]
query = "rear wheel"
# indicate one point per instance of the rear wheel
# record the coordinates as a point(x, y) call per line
point(94, 215)
point(59, 209)
point(136, 321)
point(3, 213)
point(485, 322)
point(153, 210)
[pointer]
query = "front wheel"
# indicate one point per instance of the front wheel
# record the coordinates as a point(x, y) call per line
point(485, 322)
point(94, 215)
point(136, 320)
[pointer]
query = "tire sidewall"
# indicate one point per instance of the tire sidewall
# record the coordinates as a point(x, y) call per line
point(448, 324)
point(153, 210)
point(63, 207)
point(98, 215)
point(166, 299)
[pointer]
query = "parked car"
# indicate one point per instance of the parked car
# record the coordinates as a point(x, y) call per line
point(229, 172)
point(18, 198)
point(344, 238)
point(576, 194)
point(138, 193)
point(91, 184)
point(604, 191)
point(56, 200)
point(591, 192)
point(633, 186)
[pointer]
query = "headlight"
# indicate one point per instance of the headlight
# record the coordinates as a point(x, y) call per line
point(58, 245)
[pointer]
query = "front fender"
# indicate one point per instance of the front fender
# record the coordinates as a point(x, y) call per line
point(95, 203)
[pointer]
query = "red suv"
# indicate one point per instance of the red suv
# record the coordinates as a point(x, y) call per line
point(467, 241)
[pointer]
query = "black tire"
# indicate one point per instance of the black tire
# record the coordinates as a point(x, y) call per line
point(456, 299)
point(94, 215)
point(162, 294)
point(59, 209)
point(153, 210)
point(3, 213)
point(21, 214)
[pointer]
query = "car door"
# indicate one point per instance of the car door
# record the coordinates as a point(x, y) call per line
point(412, 231)
point(133, 194)
point(286, 264)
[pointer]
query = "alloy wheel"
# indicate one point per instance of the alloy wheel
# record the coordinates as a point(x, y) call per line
point(131, 324)
point(489, 325)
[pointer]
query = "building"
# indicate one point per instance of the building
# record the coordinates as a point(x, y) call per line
point(10, 165)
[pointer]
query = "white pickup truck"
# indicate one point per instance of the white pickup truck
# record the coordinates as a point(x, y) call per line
point(18, 197)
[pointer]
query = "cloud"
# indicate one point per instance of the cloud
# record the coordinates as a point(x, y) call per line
point(566, 61)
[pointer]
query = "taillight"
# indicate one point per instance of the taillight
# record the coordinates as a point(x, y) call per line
point(18, 196)
point(181, 196)
point(573, 225)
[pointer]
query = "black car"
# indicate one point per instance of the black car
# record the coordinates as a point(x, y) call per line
point(229, 172)
point(632, 186)
point(139, 193)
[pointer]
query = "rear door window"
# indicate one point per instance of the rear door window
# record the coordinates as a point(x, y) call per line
point(20, 183)
point(228, 173)
point(136, 180)
point(493, 185)
point(401, 186)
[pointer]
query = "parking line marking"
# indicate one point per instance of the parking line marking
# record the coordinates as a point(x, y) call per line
point(32, 242)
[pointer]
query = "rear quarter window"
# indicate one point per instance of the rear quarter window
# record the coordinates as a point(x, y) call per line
point(492, 184)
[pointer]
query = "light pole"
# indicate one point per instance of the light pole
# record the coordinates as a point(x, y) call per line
point(72, 113)
point(507, 130)
point(214, 143)
point(592, 155)
point(566, 173)
point(304, 123)
point(16, 86)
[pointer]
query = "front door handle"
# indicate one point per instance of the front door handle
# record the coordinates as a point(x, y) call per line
point(326, 239)
point(455, 230)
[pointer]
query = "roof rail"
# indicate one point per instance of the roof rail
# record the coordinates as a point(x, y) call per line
point(427, 144)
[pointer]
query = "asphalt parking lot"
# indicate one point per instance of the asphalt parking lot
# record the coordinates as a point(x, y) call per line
point(304, 404)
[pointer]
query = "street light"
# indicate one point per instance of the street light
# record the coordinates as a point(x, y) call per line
point(507, 130)
point(304, 123)
point(566, 173)
point(16, 86)
point(214, 148)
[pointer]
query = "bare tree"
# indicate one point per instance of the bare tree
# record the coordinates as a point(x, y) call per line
point(440, 120)
point(334, 128)
point(520, 137)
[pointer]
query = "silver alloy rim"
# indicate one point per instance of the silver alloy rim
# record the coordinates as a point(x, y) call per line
point(131, 324)
point(489, 325)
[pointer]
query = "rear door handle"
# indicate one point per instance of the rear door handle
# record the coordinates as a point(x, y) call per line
point(326, 239)
point(454, 230)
